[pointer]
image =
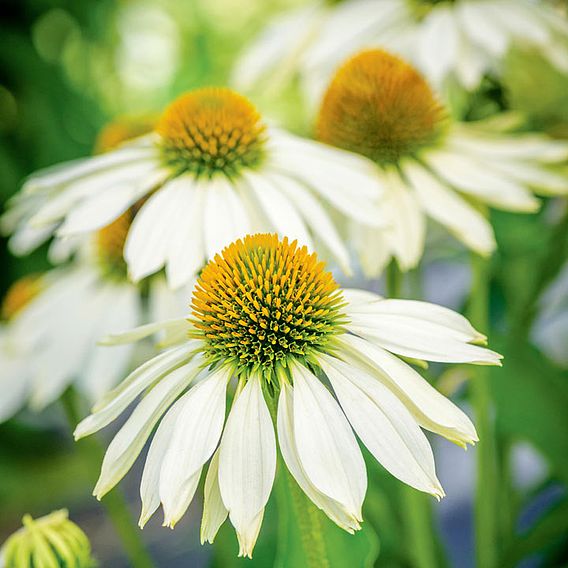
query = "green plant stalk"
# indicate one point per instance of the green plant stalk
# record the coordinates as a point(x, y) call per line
point(417, 508)
point(309, 522)
point(114, 502)
point(486, 504)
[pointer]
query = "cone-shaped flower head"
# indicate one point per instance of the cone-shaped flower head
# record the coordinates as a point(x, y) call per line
point(380, 106)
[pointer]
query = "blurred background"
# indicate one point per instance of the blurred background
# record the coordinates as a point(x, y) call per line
point(67, 67)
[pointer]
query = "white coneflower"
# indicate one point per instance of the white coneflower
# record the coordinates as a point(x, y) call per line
point(51, 324)
point(51, 541)
point(266, 312)
point(212, 171)
point(380, 107)
point(459, 40)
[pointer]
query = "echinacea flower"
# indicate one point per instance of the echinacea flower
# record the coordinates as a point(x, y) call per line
point(51, 323)
point(51, 541)
point(211, 172)
point(266, 313)
point(460, 41)
point(379, 106)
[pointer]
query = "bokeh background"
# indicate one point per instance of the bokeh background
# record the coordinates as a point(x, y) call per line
point(67, 67)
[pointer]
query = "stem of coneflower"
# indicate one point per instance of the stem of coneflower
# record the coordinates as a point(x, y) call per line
point(417, 509)
point(114, 502)
point(486, 491)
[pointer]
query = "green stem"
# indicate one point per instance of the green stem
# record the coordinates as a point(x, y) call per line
point(486, 517)
point(114, 502)
point(309, 523)
point(417, 507)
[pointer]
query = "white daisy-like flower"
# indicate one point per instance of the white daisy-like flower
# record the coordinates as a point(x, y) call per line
point(459, 40)
point(267, 313)
point(51, 324)
point(379, 106)
point(212, 171)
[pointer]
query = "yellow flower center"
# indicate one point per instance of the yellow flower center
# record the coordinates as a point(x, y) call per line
point(122, 130)
point(212, 130)
point(19, 295)
point(379, 106)
point(263, 301)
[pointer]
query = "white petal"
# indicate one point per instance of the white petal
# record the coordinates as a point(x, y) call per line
point(146, 247)
point(280, 211)
point(316, 218)
point(214, 510)
point(473, 177)
point(70, 171)
point(327, 448)
point(150, 483)
point(407, 230)
point(334, 510)
point(117, 400)
point(221, 223)
point(143, 331)
point(14, 384)
point(431, 409)
point(449, 209)
point(384, 425)
point(438, 43)
point(420, 330)
point(130, 439)
point(195, 437)
point(109, 203)
point(186, 251)
point(247, 461)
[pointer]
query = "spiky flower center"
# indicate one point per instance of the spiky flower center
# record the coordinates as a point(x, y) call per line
point(263, 301)
point(19, 295)
point(212, 130)
point(379, 106)
point(122, 130)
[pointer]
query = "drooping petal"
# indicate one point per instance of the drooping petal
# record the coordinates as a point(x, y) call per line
point(247, 462)
point(150, 483)
point(327, 448)
point(130, 439)
point(195, 437)
point(286, 438)
point(117, 400)
point(214, 510)
point(449, 209)
point(384, 425)
point(420, 330)
point(431, 409)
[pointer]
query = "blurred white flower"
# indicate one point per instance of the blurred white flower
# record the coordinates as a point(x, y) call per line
point(211, 172)
point(379, 106)
point(51, 324)
point(463, 40)
point(267, 312)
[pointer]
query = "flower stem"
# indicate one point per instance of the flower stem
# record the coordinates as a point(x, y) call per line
point(308, 521)
point(114, 502)
point(417, 508)
point(486, 516)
